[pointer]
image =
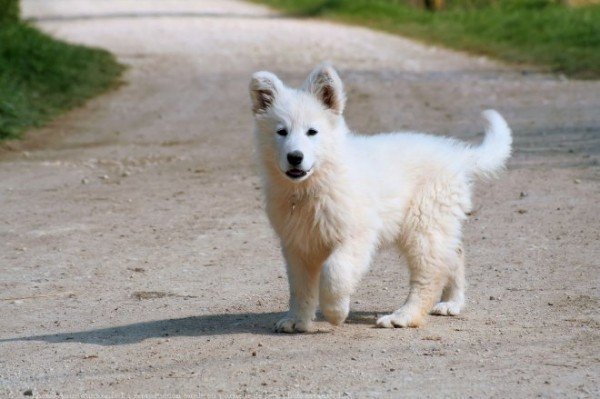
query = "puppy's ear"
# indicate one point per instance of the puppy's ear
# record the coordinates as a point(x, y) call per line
point(264, 88)
point(326, 85)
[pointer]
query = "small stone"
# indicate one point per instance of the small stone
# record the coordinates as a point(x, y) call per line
point(254, 353)
point(576, 181)
point(28, 392)
point(492, 298)
point(104, 177)
point(125, 174)
point(523, 194)
point(522, 211)
point(84, 181)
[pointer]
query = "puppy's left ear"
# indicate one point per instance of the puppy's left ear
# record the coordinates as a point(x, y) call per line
point(326, 85)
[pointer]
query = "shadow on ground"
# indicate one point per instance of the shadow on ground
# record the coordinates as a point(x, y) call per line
point(218, 324)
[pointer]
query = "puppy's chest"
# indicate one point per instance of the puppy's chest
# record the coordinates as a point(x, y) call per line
point(308, 223)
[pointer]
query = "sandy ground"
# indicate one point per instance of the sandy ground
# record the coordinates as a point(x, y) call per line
point(135, 256)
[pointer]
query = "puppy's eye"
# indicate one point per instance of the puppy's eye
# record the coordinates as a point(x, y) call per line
point(282, 132)
point(311, 132)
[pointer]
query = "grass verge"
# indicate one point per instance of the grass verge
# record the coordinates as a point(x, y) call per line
point(537, 32)
point(41, 77)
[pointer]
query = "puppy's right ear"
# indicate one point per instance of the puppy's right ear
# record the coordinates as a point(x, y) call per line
point(264, 88)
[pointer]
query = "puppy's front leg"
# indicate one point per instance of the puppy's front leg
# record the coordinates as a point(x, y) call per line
point(303, 280)
point(340, 275)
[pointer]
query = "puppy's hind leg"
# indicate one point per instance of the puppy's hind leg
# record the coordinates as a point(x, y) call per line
point(303, 279)
point(427, 271)
point(453, 296)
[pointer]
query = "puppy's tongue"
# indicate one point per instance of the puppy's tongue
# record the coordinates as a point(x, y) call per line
point(295, 172)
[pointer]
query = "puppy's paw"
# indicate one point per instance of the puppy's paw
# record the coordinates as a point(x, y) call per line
point(291, 325)
point(446, 308)
point(400, 318)
point(336, 312)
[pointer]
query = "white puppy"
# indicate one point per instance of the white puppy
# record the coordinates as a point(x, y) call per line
point(334, 197)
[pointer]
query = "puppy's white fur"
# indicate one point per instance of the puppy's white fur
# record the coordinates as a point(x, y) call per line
point(358, 193)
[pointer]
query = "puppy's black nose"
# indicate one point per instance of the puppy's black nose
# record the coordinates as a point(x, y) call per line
point(295, 158)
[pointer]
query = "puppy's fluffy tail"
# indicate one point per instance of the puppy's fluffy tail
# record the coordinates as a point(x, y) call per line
point(490, 157)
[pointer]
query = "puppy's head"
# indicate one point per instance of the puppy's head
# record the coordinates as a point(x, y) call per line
point(296, 128)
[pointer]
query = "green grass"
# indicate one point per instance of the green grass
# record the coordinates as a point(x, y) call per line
point(41, 76)
point(537, 32)
point(9, 11)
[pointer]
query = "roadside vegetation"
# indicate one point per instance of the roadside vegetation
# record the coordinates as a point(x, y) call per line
point(545, 33)
point(41, 76)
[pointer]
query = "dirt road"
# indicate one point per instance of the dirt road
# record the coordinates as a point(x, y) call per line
point(135, 257)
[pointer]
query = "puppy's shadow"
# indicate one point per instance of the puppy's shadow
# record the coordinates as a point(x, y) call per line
point(361, 317)
point(208, 325)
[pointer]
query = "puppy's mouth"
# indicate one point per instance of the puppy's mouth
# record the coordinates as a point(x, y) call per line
point(296, 174)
